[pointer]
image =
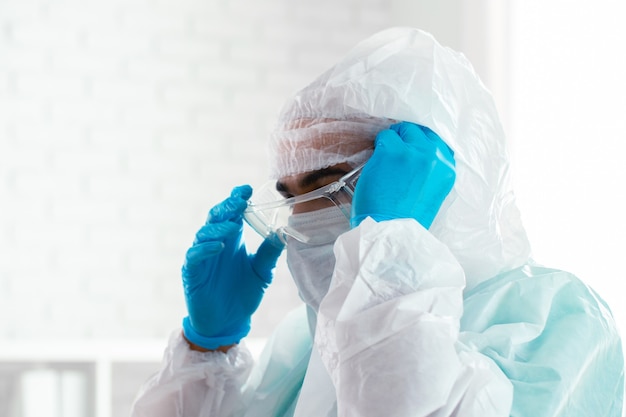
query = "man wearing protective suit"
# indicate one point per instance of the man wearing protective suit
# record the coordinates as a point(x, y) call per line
point(405, 243)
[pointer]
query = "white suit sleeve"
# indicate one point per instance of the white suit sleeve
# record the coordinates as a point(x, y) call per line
point(194, 384)
point(388, 329)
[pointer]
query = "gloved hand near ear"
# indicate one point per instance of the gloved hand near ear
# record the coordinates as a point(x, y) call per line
point(223, 284)
point(408, 176)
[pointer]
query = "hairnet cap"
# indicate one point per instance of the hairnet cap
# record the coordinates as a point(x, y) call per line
point(386, 78)
point(404, 74)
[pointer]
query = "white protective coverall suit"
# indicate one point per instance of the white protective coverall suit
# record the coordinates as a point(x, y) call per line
point(457, 320)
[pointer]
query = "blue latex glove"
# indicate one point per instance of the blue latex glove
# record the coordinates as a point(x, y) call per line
point(408, 176)
point(223, 284)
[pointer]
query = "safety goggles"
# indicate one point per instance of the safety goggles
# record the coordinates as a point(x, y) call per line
point(268, 212)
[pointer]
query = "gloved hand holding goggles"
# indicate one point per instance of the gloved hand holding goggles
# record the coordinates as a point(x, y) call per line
point(410, 173)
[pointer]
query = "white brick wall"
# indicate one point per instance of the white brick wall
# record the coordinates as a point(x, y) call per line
point(121, 123)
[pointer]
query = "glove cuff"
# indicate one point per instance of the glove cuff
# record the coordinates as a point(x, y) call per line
point(211, 343)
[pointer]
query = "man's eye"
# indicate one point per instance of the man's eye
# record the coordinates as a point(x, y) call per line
point(282, 190)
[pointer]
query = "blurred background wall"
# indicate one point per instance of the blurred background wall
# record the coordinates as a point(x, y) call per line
point(123, 121)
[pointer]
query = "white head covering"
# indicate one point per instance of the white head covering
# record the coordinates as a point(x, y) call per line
point(404, 74)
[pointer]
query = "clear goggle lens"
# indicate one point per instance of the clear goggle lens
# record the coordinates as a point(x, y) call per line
point(268, 211)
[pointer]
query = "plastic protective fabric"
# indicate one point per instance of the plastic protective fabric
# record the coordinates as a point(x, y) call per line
point(404, 340)
point(456, 320)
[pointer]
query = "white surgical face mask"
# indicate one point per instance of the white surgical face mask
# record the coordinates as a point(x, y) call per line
point(312, 266)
